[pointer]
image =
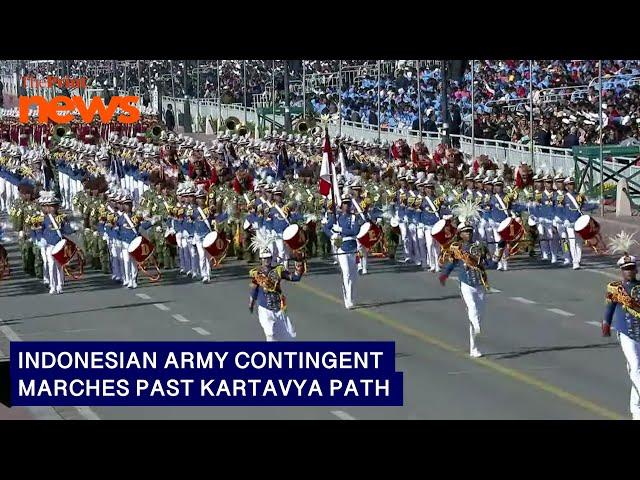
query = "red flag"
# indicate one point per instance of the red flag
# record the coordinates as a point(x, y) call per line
point(325, 169)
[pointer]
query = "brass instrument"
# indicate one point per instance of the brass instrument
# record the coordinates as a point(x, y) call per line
point(58, 132)
point(154, 131)
point(302, 125)
point(234, 124)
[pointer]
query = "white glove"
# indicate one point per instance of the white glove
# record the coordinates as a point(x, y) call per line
point(336, 229)
point(379, 220)
point(324, 221)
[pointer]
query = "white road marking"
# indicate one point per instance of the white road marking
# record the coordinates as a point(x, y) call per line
point(87, 413)
point(46, 412)
point(342, 415)
point(560, 312)
point(602, 272)
point(143, 296)
point(595, 324)
point(161, 306)
point(180, 318)
point(9, 333)
point(494, 290)
point(523, 300)
point(201, 331)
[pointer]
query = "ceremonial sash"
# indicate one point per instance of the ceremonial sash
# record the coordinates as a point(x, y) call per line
point(432, 206)
point(575, 203)
point(502, 205)
point(55, 225)
point(204, 218)
point(126, 217)
point(277, 207)
point(359, 208)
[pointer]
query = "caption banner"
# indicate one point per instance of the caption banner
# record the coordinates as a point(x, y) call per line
point(204, 374)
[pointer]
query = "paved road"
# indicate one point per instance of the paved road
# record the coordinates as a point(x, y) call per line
point(545, 356)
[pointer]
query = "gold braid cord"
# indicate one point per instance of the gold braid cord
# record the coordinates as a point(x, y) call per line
point(470, 261)
point(617, 294)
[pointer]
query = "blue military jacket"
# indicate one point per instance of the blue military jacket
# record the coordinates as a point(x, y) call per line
point(620, 309)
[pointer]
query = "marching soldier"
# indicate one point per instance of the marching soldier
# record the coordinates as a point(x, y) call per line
point(473, 259)
point(54, 227)
point(622, 312)
point(266, 291)
point(129, 224)
point(343, 231)
point(575, 206)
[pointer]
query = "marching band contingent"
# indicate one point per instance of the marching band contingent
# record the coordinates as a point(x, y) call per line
point(147, 200)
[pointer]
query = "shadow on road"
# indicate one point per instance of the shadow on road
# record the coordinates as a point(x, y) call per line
point(533, 350)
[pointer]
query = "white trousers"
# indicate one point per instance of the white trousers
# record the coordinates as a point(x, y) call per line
point(15, 195)
point(45, 262)
point(203, 256)
point(505, 253)
point(575, 244)
point(432, 249)
point(364, 259)
point(474, 300)
point(279, 249)
point(130, 266)
point(562, 238)
point(56, 275)
point(631, 350)
point(412, 233)
point(406, 241)
point(421, 246)
point(117, 263)
point(188, 254)
point(347, 262)
point(276, 325)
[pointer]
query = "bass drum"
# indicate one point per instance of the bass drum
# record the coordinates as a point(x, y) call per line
point(587, 227)
point(215, 243)
point(369, 234)
point(443, 231)
point(140, 248)
point(294, 237)
point(64, 251)
point(510, 230)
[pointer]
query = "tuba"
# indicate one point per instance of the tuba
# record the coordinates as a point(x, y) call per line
point(302, 125)
point(154, 131)
point(234, 124)
point(58, 132)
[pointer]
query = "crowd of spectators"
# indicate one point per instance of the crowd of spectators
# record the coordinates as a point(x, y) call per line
point(501, 92)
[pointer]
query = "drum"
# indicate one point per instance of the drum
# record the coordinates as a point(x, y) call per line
point(140, 248)
point(395, 226)
point(510, 230)
point(369, 234)
point(443, 231)
point(64, 251)
point(215, 243)
point(294, 237)
point(587, 227)
point(170, 238)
